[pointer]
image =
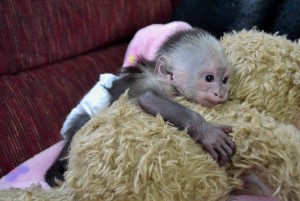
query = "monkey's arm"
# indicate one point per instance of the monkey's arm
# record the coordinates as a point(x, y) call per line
point(213, 138)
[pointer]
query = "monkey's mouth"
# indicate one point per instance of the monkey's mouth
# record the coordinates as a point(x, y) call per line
point(209, 103)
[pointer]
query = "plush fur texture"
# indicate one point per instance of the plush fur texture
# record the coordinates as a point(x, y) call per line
point(126, 154)
point(267, 70)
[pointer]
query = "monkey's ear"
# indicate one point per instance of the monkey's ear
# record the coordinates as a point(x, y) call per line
point(162, 68)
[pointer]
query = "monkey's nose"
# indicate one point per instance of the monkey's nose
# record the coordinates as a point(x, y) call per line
point(219, 95)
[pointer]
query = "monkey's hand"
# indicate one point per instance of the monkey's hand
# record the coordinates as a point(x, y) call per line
point(215, 139)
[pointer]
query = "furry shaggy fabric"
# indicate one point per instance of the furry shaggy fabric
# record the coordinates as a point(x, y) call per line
point(126, 154)
point(266, 73)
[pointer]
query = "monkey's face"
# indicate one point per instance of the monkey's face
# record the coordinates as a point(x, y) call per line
point(211, 86)
point(207, 86)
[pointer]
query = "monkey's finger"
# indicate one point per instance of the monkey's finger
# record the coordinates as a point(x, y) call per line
point(223, 156)
point(227, 149)
point(222, 162)
point(230, 143)
point(226, 128)
point(213, 153)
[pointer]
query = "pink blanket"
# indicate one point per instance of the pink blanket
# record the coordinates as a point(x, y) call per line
point(32, 171)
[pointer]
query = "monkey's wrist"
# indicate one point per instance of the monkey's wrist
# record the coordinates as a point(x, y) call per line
point(196, 123)
point(199, 120)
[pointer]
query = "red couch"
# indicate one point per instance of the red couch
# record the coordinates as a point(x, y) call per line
point(51, 54)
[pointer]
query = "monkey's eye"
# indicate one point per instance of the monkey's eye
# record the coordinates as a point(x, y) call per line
point(225, 80)
point(209, 78)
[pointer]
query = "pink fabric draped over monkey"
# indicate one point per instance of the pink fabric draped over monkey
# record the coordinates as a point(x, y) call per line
point(148, 40)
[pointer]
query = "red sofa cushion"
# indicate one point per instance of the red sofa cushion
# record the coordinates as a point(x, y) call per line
point(35, 33)
point(34, 104)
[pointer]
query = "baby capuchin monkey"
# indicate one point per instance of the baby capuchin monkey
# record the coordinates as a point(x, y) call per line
point(192, 64)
